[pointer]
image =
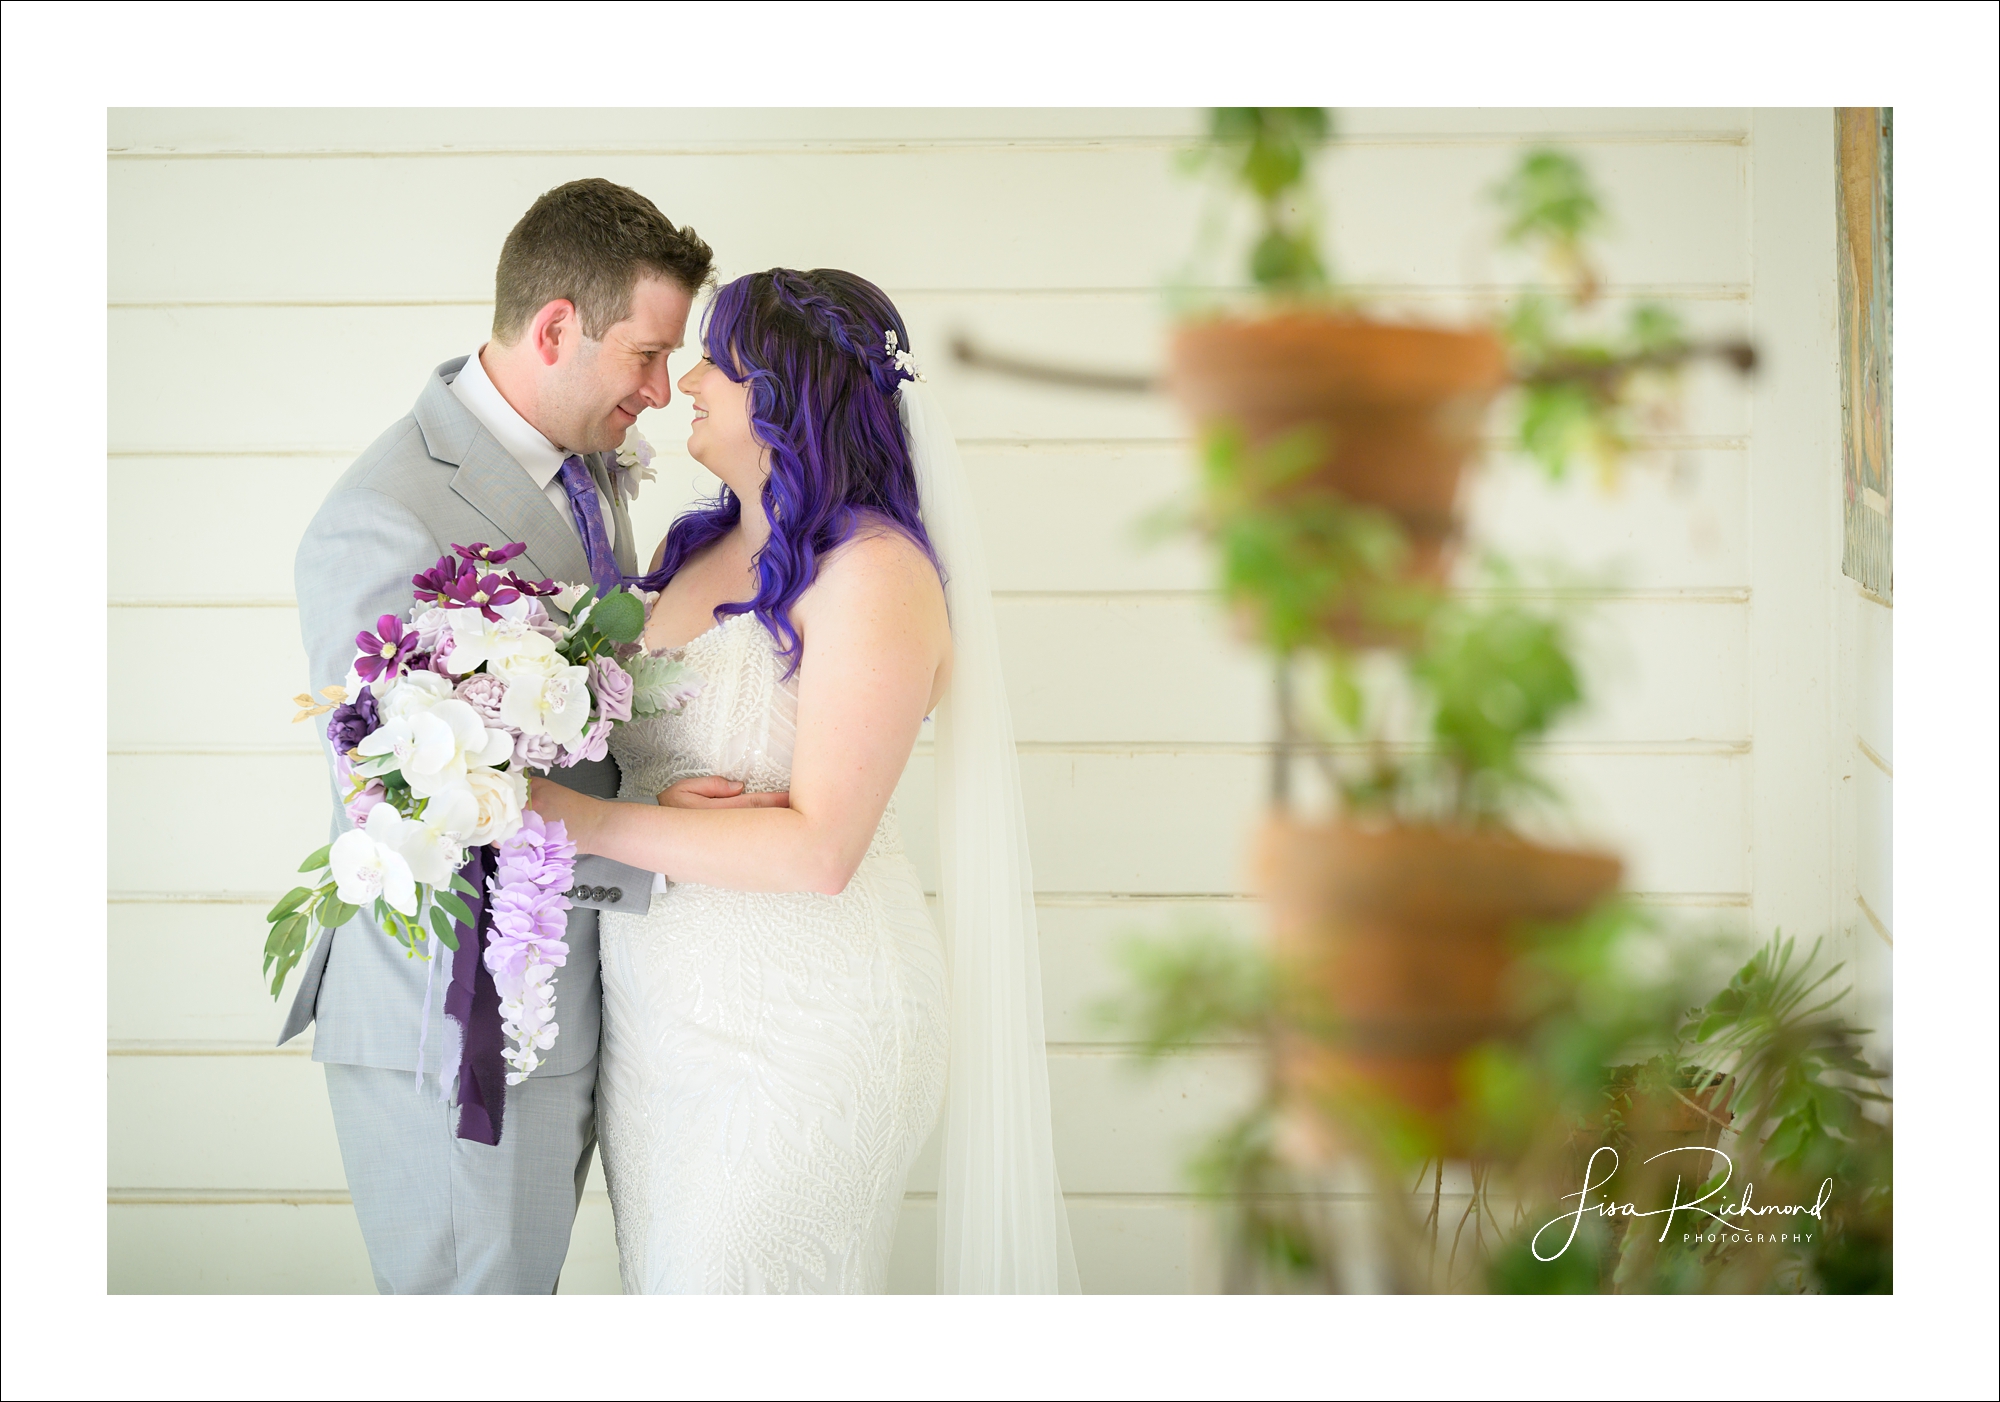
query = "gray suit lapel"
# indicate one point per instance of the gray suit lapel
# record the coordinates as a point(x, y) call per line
point(496, 486)
point(501, 490)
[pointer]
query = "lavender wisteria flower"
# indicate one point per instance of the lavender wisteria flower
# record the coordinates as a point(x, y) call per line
point(613, 685)
point(382, 653)
point(529, 918)
point(537, 853)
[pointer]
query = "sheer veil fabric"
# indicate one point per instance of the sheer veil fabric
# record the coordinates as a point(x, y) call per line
point(1001, 1224)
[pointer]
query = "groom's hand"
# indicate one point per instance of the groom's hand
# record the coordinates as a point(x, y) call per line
point(711, 791)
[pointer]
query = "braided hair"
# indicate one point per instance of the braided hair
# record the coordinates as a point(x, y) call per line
point(812, 346)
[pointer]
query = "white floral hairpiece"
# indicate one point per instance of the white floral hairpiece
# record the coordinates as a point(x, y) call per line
point(905, 362)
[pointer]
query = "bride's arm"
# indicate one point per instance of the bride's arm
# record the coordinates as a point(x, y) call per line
point(876, 643)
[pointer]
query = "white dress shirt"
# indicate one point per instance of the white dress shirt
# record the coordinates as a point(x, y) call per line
point(542, 459)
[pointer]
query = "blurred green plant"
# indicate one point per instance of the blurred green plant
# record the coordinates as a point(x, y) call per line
point(1765, 1061)
point(1267, 153)
point(1308, 572)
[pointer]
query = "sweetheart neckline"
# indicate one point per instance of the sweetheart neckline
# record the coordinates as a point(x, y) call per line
point(683, 647)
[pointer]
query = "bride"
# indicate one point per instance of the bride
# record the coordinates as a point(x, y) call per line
point(785, 1027)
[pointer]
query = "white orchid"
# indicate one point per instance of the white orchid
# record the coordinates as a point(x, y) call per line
point(434, 842)
point(565, 598)
point(367, 863)
point(434, 746)
point(496, 643)
point(552, 701)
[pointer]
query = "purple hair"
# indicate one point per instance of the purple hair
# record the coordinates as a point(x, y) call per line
point(811, 346)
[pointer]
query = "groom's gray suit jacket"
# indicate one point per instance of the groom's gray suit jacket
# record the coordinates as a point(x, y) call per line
point(437, 479)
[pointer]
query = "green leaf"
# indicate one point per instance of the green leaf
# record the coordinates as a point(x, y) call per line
point(290, 902)
point(442, 924)
point(459, 883)
point(336, 912)
point(619, 618)
point(317, 859)
point(454, 907)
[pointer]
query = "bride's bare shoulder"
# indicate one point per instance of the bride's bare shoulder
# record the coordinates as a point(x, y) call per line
point(878, 564)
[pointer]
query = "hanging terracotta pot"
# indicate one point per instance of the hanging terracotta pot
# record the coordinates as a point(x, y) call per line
point(1400, 938)
point(1399, 407)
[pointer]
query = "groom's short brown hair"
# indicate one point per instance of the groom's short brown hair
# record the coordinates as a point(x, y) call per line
point(589, 242)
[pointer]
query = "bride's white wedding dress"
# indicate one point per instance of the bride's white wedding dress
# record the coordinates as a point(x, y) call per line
point(771, 1064)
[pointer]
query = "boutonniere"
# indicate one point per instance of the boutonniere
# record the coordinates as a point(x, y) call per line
point(634, 462)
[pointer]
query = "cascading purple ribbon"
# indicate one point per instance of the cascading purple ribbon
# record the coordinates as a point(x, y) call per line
point(474, 1004)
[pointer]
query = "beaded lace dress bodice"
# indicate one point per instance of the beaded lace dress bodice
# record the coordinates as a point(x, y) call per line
point(772, 1062)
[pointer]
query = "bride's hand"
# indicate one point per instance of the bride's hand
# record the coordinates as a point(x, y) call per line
point(712, 791)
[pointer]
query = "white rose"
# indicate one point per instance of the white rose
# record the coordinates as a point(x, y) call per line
point(565, 598)
point(367, 864)
point(411, 694)
point(555, 703)
point(498, 797)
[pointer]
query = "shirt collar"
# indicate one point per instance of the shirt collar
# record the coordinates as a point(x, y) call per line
point(522, 440)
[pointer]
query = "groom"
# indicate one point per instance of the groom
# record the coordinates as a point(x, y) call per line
point(514, 442)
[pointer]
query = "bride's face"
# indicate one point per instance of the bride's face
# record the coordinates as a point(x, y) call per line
point(721, 439)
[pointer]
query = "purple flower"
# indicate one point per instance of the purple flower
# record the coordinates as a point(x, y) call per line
point(593, 744)
point(432, 582)
point(383, 652)
point(545, 587)
point(483, 692)
point(353, 721)
point(485, 592)
point(535, 751)
point(612, 685)
point(489, 554)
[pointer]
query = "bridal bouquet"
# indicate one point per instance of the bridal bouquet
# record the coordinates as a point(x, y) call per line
point(444, 713)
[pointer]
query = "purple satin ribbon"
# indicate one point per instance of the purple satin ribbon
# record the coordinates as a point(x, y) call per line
point(474, 1004)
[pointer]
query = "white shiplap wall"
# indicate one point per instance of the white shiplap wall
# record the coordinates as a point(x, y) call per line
point(281, 282)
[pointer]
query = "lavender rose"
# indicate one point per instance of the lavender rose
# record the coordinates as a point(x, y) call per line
point(362, 804)
point(613, 685)
point(535, 751)
point(483, 692)
point(593, 744)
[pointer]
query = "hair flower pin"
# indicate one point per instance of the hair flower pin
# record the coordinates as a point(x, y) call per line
point(905, 362)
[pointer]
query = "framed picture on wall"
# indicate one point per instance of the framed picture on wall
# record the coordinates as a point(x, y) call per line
point(1862, 214)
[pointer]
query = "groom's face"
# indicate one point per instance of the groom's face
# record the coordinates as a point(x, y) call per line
point(601, 387)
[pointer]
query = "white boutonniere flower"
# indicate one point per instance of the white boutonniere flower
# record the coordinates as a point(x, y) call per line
point(635, 463)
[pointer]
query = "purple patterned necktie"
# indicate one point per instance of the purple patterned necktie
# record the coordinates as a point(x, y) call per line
point(576, 480)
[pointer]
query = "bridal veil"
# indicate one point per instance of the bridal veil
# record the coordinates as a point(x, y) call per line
point(1001, 1224)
